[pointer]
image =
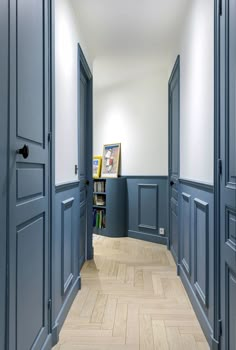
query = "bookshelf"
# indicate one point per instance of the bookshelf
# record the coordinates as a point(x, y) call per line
point(109, 207)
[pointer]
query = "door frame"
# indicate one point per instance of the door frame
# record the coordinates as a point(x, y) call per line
point(82, 64)
point(217, 278)
point(175, 67)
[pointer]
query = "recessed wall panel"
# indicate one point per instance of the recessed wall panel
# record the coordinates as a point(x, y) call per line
point(67, 245)
point(186, 232)
point(148, 206)
point(201, 246)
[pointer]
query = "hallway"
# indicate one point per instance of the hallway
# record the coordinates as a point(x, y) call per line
point(131, 299)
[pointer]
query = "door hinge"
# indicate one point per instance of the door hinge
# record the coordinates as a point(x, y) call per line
point(49, 137)
point(219, 167)
point(220, 7)
point(49, 304)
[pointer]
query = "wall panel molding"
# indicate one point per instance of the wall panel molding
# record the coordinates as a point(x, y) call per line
point(185, 234)
point(197, 184)
point(67, 245)
point(147, 208)
point(148, 214)
point(201, 248)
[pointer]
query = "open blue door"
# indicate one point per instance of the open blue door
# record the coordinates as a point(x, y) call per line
point(174, 111)
point(29, 175)
point(85, 158)
point(4, 40)
point(228, 177)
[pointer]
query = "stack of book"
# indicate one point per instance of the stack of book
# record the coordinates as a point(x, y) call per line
point(99, 186)
point(99, 218)
point(99, 199)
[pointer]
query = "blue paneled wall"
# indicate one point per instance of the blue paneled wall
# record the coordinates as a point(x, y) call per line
point(197, 248)
point(66, 275)
point(147, 208)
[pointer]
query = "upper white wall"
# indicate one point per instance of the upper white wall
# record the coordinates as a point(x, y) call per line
point(67, 36)
point(197, 92)
point(130, 106)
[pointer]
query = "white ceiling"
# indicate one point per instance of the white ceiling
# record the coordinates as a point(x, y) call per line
point(130, 27)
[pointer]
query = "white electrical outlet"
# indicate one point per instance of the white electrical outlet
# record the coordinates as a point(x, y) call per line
point(162, 231)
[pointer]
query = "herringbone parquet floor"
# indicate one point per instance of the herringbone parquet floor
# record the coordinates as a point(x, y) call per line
point(131, 299)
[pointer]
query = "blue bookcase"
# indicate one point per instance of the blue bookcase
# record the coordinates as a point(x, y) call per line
point(109, 207)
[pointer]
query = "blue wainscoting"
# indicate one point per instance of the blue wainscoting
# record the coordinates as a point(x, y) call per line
point(147, 208)
point(197, 249)
point(66, 275)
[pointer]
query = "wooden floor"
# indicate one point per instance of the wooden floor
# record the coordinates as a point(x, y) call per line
point(131, 299)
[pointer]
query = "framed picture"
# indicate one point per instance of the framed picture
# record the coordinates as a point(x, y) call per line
point(111, 160)
point(97, 164)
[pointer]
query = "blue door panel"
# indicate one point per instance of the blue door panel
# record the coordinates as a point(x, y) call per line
point(231, 307)
point(30, 69)
point(30, 308)
point(29, 177)
point(175, 126)
point(30, 181)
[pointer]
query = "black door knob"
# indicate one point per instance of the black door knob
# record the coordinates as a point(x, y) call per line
point(24, 151)
point(172, 183)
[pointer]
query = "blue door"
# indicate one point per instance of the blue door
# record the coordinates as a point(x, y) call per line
point(228, 177)
point(82, 166)
point(29, 175)
point(3, 162)
point(174, 110)
point(85, 158)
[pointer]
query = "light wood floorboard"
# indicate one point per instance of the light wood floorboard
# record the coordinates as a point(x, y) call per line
point(131, 299)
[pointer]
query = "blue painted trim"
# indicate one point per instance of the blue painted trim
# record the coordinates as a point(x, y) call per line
point(147, 237)
point(197, 184)
point(203, 297)
point(206, 327)
point(52, 155)
point(216, 334)
point(66, 186)
point(64, 310)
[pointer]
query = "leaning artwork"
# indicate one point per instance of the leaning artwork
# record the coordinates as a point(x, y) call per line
point(111, 160)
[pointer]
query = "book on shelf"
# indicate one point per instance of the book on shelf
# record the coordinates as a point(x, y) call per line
point(99, 218)
point(99, 186)
point(99, 199)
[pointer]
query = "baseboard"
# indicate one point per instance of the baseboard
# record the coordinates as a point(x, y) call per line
point(64, 310)
point(206, 327)
point(147, 237)
point(48, 343)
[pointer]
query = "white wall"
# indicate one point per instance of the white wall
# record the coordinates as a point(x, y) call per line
point(67, 35)
point(197, 92)
point(130, 106)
